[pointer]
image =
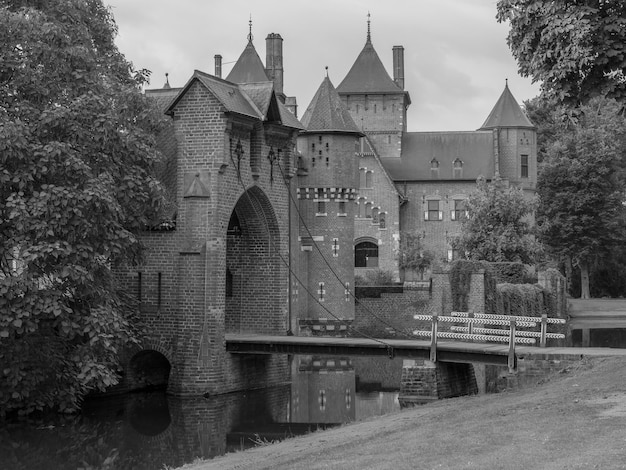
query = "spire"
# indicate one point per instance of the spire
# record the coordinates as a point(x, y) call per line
point(167, 86)
point(507, 112)
point(368, 74)
point(327, 113)
point(248, 68)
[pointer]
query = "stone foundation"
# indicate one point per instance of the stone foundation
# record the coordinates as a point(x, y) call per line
point(423, 381)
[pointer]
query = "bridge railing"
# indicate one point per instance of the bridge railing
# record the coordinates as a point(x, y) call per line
point(470, 332)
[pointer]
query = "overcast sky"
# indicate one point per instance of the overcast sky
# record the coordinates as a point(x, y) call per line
point(456, 57)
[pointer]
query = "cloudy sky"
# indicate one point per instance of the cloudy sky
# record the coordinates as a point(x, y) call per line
point(456, 56)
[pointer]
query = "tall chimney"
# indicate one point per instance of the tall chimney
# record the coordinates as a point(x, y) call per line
point(274, 62)
point(218, 66)
point(398, 65)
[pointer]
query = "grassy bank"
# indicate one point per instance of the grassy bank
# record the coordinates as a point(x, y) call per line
point(574, 420)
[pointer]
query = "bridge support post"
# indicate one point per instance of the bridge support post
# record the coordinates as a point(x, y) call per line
point(544, 329)
point(511, 360)
point(423, 381)
point(433, 338)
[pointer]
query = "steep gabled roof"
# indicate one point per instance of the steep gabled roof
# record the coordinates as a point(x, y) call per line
point(287, 118)
point(368, 74)
point(256, 100)
point(248, 68)
point(264, 97)
point(327, 113)
point(261, 94)
point(507, 113)
point(229, 95)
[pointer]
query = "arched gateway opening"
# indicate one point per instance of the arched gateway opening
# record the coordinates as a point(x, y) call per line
point(254, 289)
point(148, 370)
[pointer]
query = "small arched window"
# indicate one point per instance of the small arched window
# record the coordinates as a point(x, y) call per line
point(361, 207)
point(434, 168)
point(457, 168)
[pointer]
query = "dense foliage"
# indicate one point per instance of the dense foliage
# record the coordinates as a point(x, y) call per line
point(497, 227)
point(460, 276)
point(575, 48)
point(76, 185)
point(581, 185)
point(412, 254)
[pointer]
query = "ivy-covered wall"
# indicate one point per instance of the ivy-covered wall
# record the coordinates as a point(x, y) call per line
point(505, 289)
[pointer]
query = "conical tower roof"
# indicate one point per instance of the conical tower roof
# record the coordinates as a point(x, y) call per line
point(248, 68)
point(327, 113)
point(368, 74)
point(507, 113)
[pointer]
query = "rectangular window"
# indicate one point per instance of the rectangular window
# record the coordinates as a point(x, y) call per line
point(321, 207)
point(342, 207)
point(460, 211)
point(433, 212)
point(524, 168)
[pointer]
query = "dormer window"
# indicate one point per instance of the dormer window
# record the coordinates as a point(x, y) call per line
point(457, 168)
point(434, 168)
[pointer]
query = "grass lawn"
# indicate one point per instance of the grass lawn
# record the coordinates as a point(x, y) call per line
point(574, 420)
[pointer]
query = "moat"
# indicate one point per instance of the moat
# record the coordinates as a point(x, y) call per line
point(151, 430)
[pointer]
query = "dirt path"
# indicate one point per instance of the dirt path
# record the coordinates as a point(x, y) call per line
point(576, 420)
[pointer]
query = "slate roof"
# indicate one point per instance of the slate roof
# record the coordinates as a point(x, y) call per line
point(368, 75)
point(163, 96)
point(248, 68)
point(256, 100)
point(229, 95)
point(473, 148)
point(327, 113)
point(507, 113)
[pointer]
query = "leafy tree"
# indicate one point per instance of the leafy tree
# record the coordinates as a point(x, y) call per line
point(497, 227)
point(76, 185)
point(581, 188)
point(412, 254)
point(575, 48)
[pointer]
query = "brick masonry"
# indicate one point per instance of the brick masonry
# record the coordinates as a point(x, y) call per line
point(232, 228)
point(423, 381)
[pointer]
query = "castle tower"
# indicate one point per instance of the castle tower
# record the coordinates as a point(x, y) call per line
point(515, 142)
point(327, 187)
point(377, 103)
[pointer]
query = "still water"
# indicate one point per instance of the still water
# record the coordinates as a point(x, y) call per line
point(156, 431)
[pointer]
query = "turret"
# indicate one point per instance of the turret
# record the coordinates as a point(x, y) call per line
point(326, 193)
point(515, 141)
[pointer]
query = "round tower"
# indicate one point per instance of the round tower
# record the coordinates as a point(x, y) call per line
point(515, 142)
point(327, 187)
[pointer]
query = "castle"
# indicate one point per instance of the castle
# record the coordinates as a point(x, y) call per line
point(276, 215)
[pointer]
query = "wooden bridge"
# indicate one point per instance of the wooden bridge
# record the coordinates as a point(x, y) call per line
point(458, 347)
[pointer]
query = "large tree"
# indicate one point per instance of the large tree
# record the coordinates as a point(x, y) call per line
point(76, 185)
point(582, 190)
point(575, 48)
point(498, 224)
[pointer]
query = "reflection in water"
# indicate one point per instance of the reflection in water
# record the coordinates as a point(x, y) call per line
point(152, 430)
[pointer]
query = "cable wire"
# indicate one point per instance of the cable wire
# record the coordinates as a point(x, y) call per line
point(286, 263)
point(382, 320)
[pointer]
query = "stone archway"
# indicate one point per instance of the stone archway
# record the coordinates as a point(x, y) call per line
point(253, 289)
point(148, 370)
